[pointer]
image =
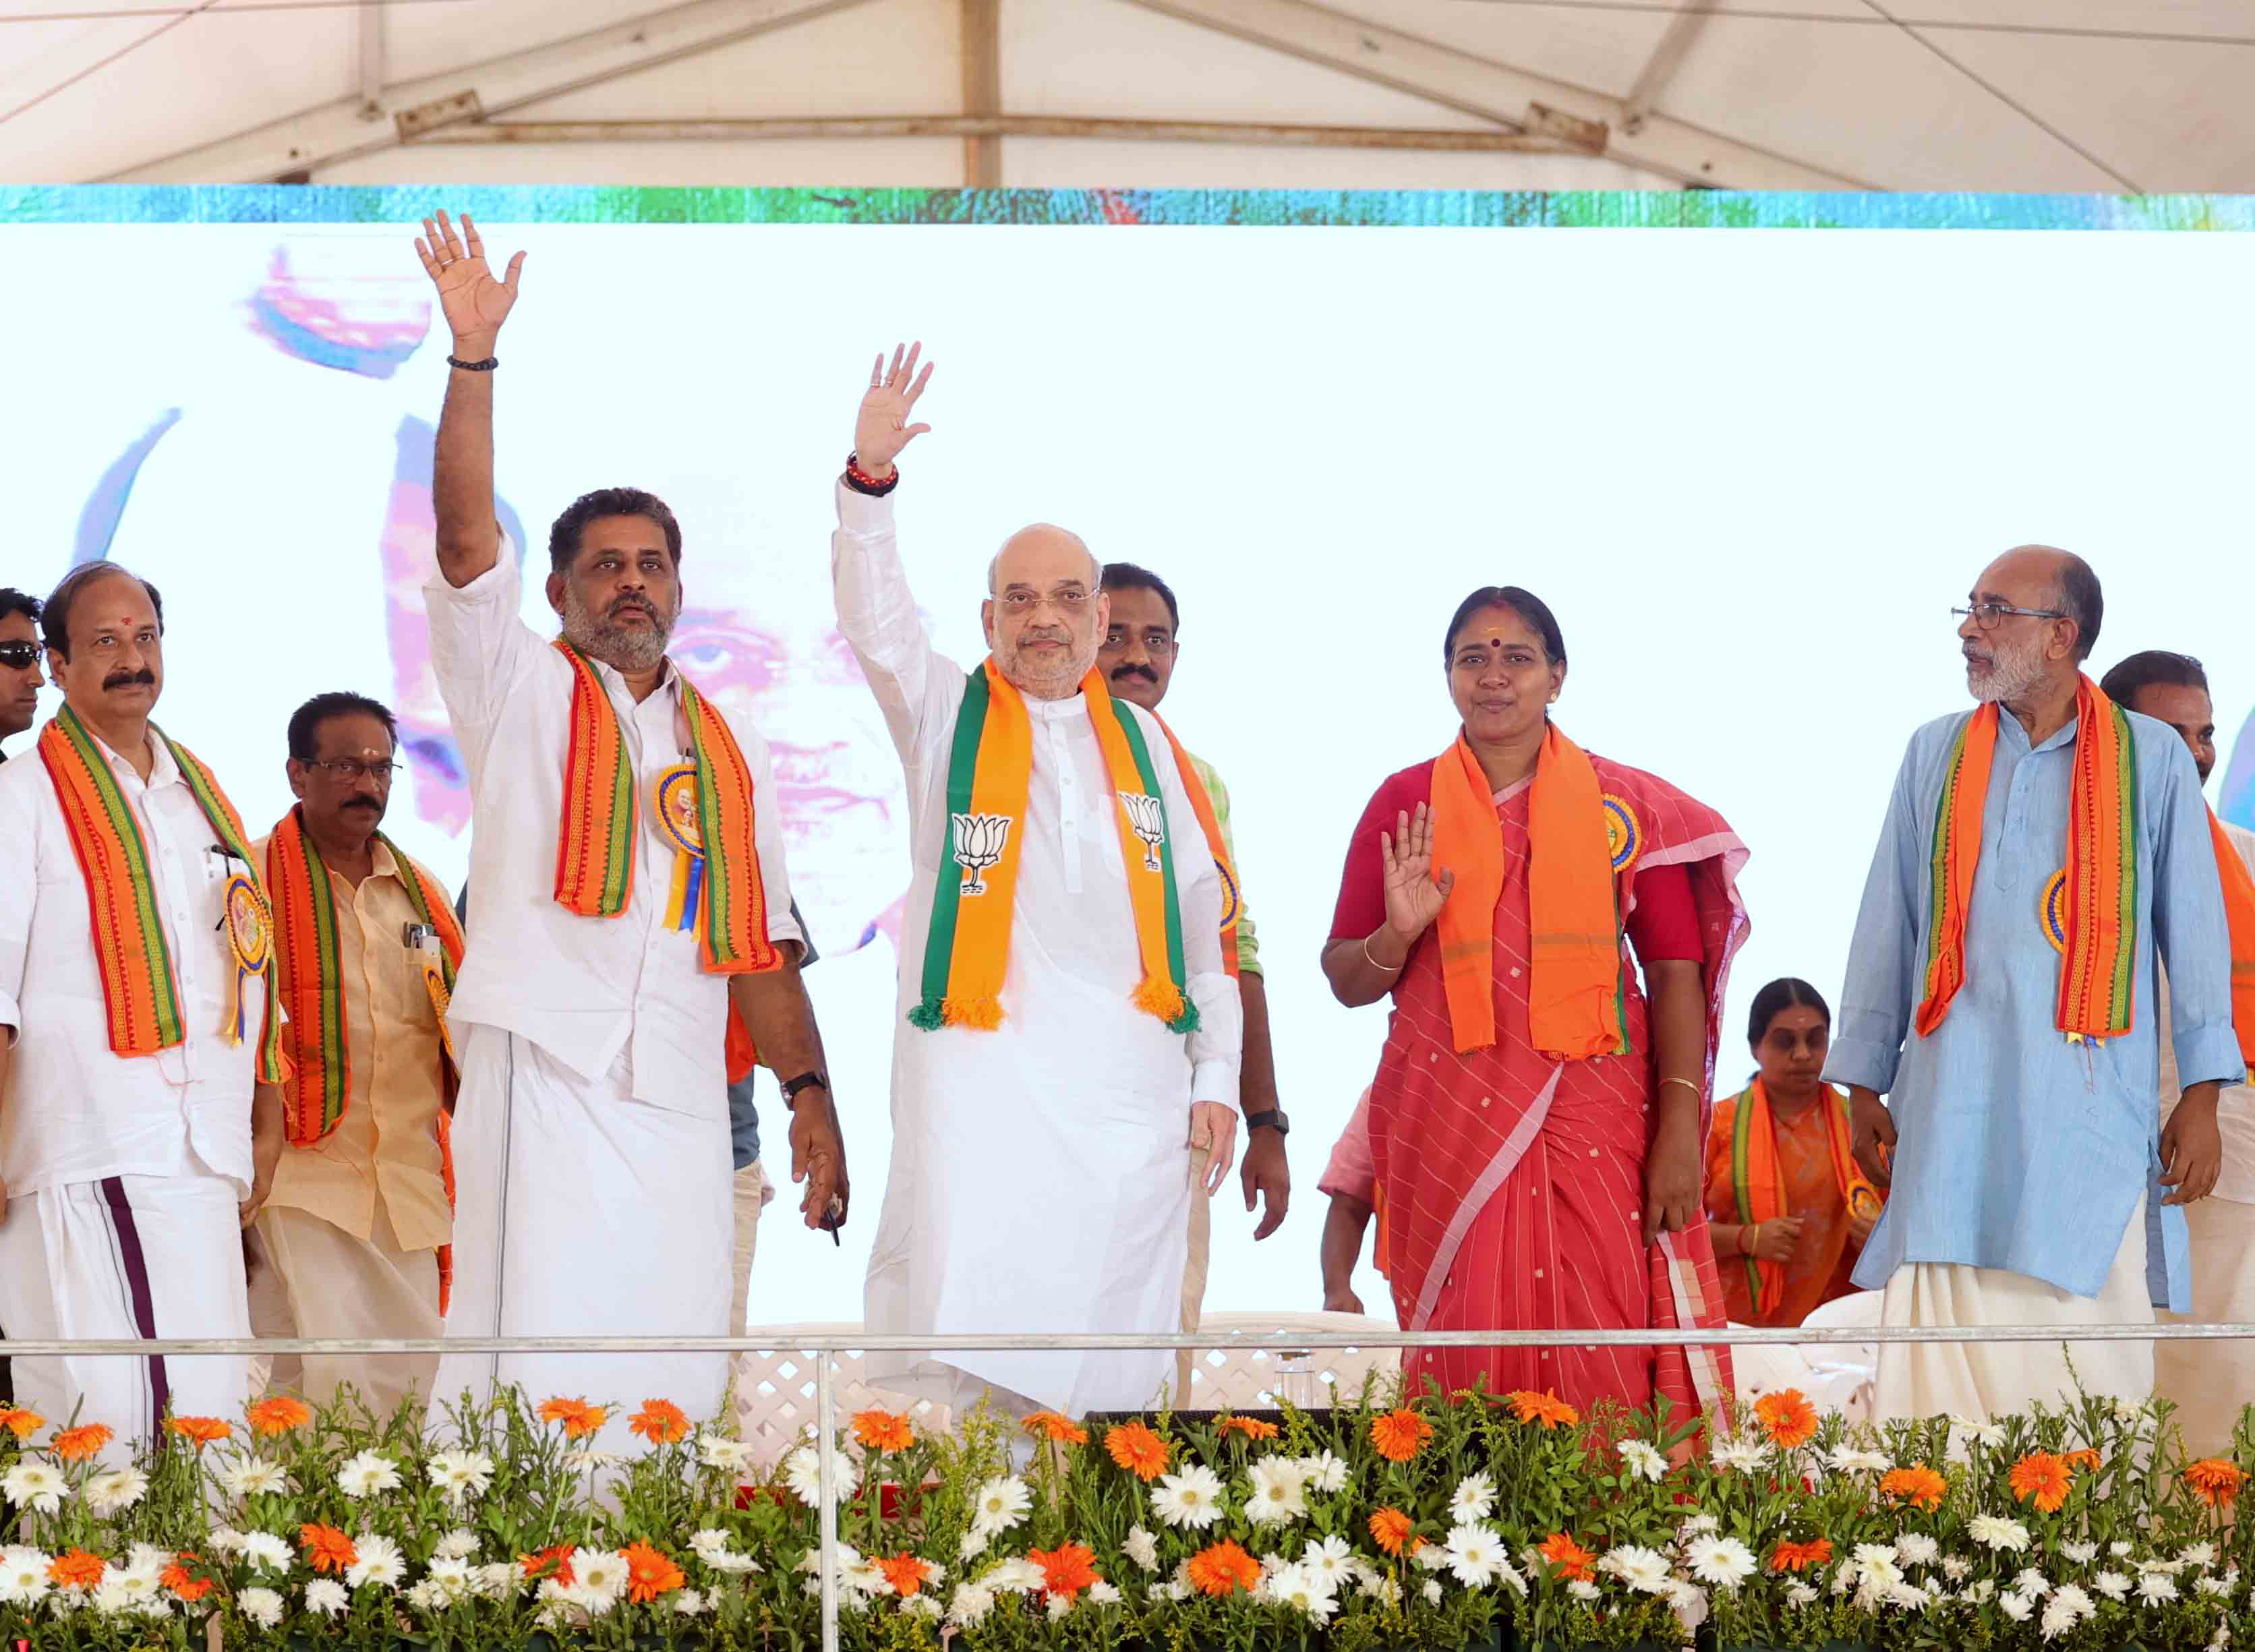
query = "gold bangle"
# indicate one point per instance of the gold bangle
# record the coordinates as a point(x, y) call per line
point(1695, 1089)
point(1747, 1245)
point(1390, 969)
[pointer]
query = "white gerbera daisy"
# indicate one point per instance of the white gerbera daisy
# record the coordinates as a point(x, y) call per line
point(1475, 1552)
point(461, 1475)
point(1015, 1576)
point(1276, 1496)
point(1192, 1498)
point(718, 1451)
point(1642, 1568)
point(116, 1489)
point(460, 1544)
point(923, 1606)
point(1142, 1547)
point(1324, 1472)
point(263, 1606)
point(268, 1552)
point(33, 1485)
point(1583, 1589)
point(1848, 1459)
point(1723, 1562)
point(971, 1602)
point(1639, 1457)
point(252, 1476)
point(689, 1603)
point(327, 1596)
point(802, 1473)
point(1474, 1498)
point(602, 1575)
point(1992, 1532)
point(379, 1562)
point(1305, 1591)
point(1740, 1453)
point(451, 1581)
point(1000, 1504)
point(1916, 1548)
point(1060, 1606)
point(23, 1581)
point(368, 1472)
point(1331, 1559)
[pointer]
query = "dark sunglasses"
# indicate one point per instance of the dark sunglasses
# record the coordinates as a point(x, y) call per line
point(18, 654)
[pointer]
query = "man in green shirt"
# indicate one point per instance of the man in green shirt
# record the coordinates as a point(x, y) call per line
point(1137, 658)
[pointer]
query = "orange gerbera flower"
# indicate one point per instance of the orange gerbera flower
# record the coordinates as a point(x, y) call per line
point(204, 1430)
point(1918, 1486)
point(280, 1414)
point(184, 1583)
point(1574, 1562)
point(76, 1570)
point(904, 1571)
point(22, 1423)
point(2215, 1482)
point(326, 1549)
point(559, 1556)
point(1057, 1426)
point(1224, 1569)
point(2085, 1461)
point(1787, 1417)
point(1791, 1556)
point(2042, 1478)
point(74, 1443)
point(1066, 1570)
point(884, 1430)
point(579, 1419)
point(1389, 1529)
point(1548, 1409)
point(1400, 1435)
point(1137, 1448)
point(660, 1421)
point(1251, 1427)
point(650, 1574)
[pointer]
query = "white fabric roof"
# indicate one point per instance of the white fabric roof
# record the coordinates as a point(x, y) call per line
point(2154, 95)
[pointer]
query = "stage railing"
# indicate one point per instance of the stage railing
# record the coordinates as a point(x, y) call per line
point(1279, 1342)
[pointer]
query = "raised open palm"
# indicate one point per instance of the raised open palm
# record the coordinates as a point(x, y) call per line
point(475, 304)
point(881, 428)
point(1414, 896)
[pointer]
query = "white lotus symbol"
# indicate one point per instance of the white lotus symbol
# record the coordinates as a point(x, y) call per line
point(978, 839)
point(1149, 817)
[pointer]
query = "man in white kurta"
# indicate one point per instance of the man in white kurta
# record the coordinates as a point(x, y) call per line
point(123, 1176)
point(1042, 1170)
point(2209, 1381)
point(590, 1135)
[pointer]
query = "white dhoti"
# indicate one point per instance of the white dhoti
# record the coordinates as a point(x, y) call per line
point(1040, 1184)
point(1988, 1379)
point(327, 1284)
point(582, 1211)
point(128, 1256)
point(2210, 1381)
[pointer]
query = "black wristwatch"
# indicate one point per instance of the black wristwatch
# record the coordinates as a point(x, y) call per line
point(1270, 1118)
point(805, 1081)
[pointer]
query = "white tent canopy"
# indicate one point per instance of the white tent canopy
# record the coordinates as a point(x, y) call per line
point(2150, 95)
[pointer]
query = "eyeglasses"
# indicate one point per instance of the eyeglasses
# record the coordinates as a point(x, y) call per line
point(18, 654)
point(349, 769)
point(1072, 604)
point(1989, 615)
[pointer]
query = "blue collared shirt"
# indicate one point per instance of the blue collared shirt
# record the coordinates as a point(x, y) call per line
point(2018, 1149)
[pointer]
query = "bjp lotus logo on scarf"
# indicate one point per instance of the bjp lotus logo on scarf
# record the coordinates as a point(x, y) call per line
point(1149, 817)
point(978, 840)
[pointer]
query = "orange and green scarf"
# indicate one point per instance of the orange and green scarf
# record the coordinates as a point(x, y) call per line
point(595, 844)
point(1577, 992)
point(1210, 822)
point(1758, 1179)
point(989, 775)
point(2240, 923)
point(140, 993)
point(2089, 907)
point(312, 983)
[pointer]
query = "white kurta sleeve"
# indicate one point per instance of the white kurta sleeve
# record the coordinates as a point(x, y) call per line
point(480, 647)
point(19, 892)
point(1217, 1048)
point(877, 616)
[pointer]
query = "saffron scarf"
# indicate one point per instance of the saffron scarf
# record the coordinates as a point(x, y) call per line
point(1758, 1179)
point(990, 770)
point(2239, 921)
point(2089, 907)
point(595, 841)
point(1581, 841)
point(140, 995)
point(1210, 822)
point(313, 985)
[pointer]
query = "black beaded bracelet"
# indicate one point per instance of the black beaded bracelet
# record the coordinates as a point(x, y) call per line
point(486, 366)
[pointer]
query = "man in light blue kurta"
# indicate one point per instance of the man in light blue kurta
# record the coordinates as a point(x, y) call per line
point(2021, 1160)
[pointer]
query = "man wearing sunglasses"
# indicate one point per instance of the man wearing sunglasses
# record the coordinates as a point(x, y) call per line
point(356, 1227)
point(20, 678)
point(2040, 854)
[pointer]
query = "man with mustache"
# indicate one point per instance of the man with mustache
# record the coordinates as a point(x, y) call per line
point(20, 680)
point(140, 1048)
point(2040, 853)
point(2208, 1382)
point(357, 1227)
point(1142, 644)
point(1070, 1033)
point(630, 899)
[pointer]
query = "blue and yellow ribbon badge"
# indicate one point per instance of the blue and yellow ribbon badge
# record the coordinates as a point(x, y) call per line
point(249, 935)
point(1624, 836)
point(676, 798)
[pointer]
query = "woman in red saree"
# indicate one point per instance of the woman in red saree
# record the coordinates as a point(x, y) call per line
point(1538, 1119)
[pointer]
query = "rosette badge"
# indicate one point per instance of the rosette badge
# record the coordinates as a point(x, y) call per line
point(978, 840)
